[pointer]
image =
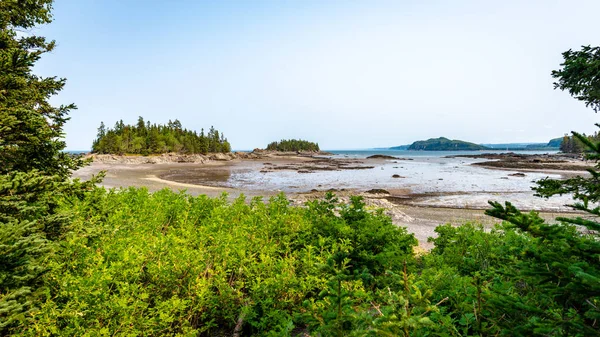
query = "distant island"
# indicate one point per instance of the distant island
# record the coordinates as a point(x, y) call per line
point(399, 147)
point(288, 145)
point(553, 144)
point(445, 144)
point(145, 138)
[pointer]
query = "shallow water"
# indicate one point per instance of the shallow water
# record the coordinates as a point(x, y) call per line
point(435, 180)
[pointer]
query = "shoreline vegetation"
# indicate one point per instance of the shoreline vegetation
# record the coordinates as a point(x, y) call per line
point(288, 145)
point(77, 259)
point(147, 138)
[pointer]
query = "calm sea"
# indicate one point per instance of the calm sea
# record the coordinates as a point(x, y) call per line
point(411, 154)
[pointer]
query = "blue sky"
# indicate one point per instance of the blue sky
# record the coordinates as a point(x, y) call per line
point(347, 74)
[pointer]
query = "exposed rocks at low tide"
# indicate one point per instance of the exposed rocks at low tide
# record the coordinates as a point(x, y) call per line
point(166, 158)
point(312, 165)
point(161, 159)
point(383, 156)
point(534, 162)
point(377, 191)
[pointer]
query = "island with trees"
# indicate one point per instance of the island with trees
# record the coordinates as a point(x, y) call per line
point(445, 144)
point(289, 145)
point(150, 138)
point(78, 259)
point(553, 145)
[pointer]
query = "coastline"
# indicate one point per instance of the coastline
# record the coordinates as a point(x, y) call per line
point(255, 175)
point(154, 178)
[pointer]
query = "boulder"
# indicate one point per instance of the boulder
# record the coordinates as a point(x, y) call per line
point(381, 156)
point(378, 191)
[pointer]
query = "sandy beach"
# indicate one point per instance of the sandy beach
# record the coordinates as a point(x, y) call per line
point(417, 193)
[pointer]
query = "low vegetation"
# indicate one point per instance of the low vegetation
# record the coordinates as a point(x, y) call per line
point(136, 263)
point(287, 145)
point(76, 259)
point(146, 138)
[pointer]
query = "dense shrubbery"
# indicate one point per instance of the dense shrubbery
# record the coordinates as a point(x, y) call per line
point(293, 145)
point(163, 263)
point(139, 263)
point(146, 138)
point(80, 260)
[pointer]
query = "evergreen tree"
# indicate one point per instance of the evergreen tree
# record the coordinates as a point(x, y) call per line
point(156, 138)
point(34, 170)
point(563, 263)
point(30, 128)
point(293, 145)
point(203, 143)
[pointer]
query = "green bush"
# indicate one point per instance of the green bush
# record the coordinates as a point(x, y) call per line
point(170, 263)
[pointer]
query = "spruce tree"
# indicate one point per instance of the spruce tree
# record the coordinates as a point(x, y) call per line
point(564, 264)
point(34, 170)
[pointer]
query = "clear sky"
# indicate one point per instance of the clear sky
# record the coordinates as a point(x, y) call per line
point(347, 74)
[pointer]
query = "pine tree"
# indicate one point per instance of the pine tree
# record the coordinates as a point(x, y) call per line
point(156, 138)
point(563, 264)
point(34, 171)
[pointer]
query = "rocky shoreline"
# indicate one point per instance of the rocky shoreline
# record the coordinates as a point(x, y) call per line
point(168, 158)
point(391, 185)
point(533, 162)
point(316, 164)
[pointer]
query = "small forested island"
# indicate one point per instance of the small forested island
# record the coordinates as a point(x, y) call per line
point(146, 138)
point(287, 145)
point(445, 144)
point(82, 259)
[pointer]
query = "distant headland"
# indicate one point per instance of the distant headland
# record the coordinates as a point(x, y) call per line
point(445, 144)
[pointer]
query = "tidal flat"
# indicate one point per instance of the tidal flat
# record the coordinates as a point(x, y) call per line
point(418, 192)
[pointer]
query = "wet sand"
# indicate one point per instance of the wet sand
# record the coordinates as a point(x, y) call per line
point(150, 176)
point(419, 201)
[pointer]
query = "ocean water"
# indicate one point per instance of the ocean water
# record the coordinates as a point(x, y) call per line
point(413, 154)
point(428, 176)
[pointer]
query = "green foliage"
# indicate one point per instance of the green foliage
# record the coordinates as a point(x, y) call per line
point(34, 171)
point(376, 244)
point(444, 144)
point(30, 128)
point(578, 143)
point(579, 75)
point(81, 260)
point(334, 311)
point(286, 145)
point(562, 265)
point(145, 138)
point(169, 263)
